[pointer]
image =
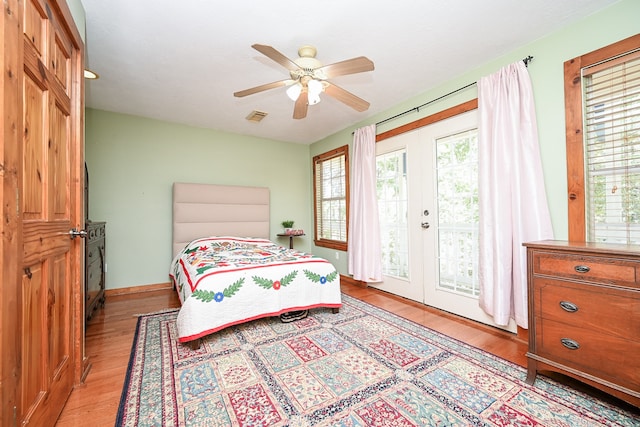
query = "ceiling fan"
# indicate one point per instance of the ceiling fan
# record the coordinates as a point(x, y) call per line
point(309, 78)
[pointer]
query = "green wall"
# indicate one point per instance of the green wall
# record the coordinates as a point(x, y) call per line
point(77, 12)
point(613, 24)
point(133, 163)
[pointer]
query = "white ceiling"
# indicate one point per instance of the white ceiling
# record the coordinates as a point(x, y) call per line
point(181, 61)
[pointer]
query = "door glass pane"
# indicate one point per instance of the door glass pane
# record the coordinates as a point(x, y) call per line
point(457, 198)
point(392, 205)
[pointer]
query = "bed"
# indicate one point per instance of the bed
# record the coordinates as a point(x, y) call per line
point(227, 271)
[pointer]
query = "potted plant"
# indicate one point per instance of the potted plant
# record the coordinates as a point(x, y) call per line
point(287, 225)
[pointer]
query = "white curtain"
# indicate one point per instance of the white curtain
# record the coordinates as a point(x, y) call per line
point(365, 250)
point(513, 202)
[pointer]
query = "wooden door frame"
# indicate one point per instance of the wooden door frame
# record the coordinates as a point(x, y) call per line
point(576, 197)
point(10, 173)
point(11, 152)
point(472, 104)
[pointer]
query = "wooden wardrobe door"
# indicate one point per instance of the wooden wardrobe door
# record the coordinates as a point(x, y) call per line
point(49, 201)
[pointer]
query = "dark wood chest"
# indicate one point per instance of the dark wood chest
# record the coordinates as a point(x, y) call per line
point(94, 267)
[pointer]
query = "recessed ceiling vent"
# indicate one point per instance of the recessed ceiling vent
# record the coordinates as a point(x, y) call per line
point(256, 116)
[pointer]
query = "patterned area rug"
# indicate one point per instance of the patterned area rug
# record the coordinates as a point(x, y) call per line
point(360, 367)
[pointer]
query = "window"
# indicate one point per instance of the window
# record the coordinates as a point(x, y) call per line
point(331, 198)
point(612, 147)
point(602, 97)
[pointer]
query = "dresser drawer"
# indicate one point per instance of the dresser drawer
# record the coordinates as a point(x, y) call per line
point(94, 267)
point(95, 231)
point(600, 309)
point(94, 280)
point(603, 270)
point(607, 357)
point(95, 251)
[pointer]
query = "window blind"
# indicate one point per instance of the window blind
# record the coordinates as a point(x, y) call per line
point(612, 149)
point(331, 193)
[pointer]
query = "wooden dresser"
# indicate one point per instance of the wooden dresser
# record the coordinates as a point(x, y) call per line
point(584, 314)
point(94, 267)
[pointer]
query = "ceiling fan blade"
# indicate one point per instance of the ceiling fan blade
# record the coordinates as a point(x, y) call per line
point(302, 104)
point(349, 66)
point(276, 56)
point(263, 87)
point(346, 97)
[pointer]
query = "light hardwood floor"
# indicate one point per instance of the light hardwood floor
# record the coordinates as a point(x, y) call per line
point(109, 336)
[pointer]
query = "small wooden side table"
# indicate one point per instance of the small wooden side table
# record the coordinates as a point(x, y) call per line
point(290, 236)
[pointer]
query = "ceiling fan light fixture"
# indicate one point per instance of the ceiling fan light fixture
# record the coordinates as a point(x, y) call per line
point(308, 78)
point(315, 87)
point(313, 98)
point(294, 91)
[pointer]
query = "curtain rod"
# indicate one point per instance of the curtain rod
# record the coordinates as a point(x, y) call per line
point(526, 63)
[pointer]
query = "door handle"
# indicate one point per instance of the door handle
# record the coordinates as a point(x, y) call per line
point(425, 225)
point(74, 232)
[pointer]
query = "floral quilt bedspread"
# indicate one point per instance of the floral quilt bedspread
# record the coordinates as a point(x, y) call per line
point(223, 281)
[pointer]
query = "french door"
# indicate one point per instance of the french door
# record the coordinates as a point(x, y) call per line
point(428, 203)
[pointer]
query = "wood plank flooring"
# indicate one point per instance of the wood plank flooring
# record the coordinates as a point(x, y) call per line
point(109, 336)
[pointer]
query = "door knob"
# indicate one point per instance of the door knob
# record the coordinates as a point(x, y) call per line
point(74, 232)
point(425, 225)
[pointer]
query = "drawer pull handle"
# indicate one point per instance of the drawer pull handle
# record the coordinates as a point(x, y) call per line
point(582, 268)
point(570, 344)
point(568, 306)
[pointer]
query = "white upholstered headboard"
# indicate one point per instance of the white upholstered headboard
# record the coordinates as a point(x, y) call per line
point(203, 210)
